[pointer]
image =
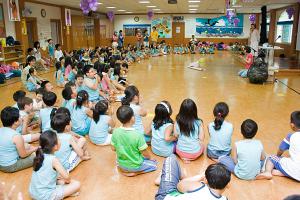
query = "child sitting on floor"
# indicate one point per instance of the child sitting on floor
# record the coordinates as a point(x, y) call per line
point(69, 98)
point(161, 130)
point(18, 95)
point(13, 154)
point(247, 155)
point(173, 184)
point(220, 132)
point(132, 155)
point(91, 83)
point(286, 166)
point(79, 82)
point(73, 149)
point(33, 82)
point(189, 130)
point(59, 75)
point(49, 99)
point(249, 61)
point(44, 182)
point(101, 124)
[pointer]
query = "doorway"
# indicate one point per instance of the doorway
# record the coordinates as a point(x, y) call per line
point(32, 32)
point(178, 32)
point(56, 31)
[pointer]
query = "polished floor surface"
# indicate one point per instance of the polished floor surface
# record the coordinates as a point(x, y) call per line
point(168, 78)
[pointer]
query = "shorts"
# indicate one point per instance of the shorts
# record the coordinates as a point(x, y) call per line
point(147, 166)
point(73, 161)
point(189, 156)
point(276, 162)
point(22, 163)
point(215, 154)
point(58, 194)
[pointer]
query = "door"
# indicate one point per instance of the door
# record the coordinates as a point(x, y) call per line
point(178, 32)
point(55, 31)
point(32, 32)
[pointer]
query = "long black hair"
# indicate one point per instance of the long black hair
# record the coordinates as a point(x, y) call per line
point(100, 109)
point(68, 61)
point(130, 93)
point(82, 97)
point(47, 142)
point(30, 72)
point(187, 116)
point(221, 110)
point(163, 112)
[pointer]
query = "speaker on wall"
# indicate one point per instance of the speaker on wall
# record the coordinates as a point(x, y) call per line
point(263, 27)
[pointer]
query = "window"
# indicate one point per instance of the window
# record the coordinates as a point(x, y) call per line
point(268, 24)
point(284, 28)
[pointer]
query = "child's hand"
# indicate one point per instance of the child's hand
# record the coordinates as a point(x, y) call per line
point(8, 196)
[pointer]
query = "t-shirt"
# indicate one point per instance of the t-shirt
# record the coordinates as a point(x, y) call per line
point(128, 144)
point(203, 192)
point(249, 56)
point(158, 143)
point(8, 150)
point(154, 36)
point(220, 140)
point(58, 55)
point(291, 165)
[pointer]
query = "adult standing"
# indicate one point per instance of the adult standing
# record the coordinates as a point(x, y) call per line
point(254, 39)
point(120, 39)
point(154, 35)
point(139, 39)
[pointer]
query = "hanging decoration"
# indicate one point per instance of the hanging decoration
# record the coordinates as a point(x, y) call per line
point(290, 11)
point(230, 13)
point(252, 18)
point(26, 12)
point(150, 15)
point(88, 5)
point(236, 22)
point(110, 15)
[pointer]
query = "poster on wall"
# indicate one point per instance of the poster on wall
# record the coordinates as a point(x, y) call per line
point(2, 23)
point(13, 10)
point(131, 29)
point(163, 26)
point(220, 26)
point(68, 17)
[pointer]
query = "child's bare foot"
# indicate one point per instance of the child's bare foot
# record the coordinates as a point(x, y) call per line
point(186, 161)
point(265, 175)
point(158, 179)
point(276, 172)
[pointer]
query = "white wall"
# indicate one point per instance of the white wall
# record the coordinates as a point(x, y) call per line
point(190, 22)
point(43, 23)
point(9, 26)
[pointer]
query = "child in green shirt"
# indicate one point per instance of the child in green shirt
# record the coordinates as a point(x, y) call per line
point(132, 155)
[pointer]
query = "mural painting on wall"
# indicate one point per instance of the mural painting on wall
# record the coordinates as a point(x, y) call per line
point(13, 10)
point(220, 26)
point(68, 17)
point(2, 24)
point(163, 26)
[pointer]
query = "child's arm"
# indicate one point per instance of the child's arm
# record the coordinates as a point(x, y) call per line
point(22, 151)
point(168, 134)
point(93, 86)
point(176, 134)
point(201, 134)
point(61, 170)
point(284, 145)
point(76, 148)
point(263, 155)
point(148, 129)
point(89, 113)
point(111, 122)
point(234, 154)
point(146, 154)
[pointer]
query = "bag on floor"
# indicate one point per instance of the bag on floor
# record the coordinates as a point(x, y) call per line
point(258, 72)
point(2, 78)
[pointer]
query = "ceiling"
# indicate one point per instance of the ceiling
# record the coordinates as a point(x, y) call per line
point(205, 6)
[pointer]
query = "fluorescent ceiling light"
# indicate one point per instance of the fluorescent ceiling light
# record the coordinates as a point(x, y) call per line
point(194, 1)
point(193, 9)
point(151, 6)
point(156, 9)
point(237, 6)
point(144, 1)
point(128, 12)
point(121, 10)
point(193, 6)
point(111, 7)
point(99, 3)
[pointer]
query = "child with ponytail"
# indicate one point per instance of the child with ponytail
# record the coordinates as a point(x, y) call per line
point(220, 132)
point(47, 168)
point(82, 114)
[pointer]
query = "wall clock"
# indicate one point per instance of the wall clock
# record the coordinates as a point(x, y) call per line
point(136, 19)
point(43, 13)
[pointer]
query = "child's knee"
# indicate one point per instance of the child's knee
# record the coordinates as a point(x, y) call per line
point(76, 184)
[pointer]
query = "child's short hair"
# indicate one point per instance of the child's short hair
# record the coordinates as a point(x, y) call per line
point(24, 101)
point(40, 91)
point(125, 65)
point(70, 84)
point(124, 114)
point(49, 98)
point(79, 76)
point(57, 45)
point(248, 49)
point(60, 121)
point(19, 94)
point(9, 115)
point(29, 50)
point(67, 93)
point(295, 119)
point(217, 176)
point(293, 197)
point(249, 128)
point(64, 111)
point(44, 83)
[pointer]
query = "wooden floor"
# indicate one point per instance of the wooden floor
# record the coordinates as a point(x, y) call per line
point(167, 78)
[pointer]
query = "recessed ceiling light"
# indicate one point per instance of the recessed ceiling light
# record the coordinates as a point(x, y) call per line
point(193, 6)
point(237, 6)
point(99, 3)
point(144, 1)
point(110, 7)
point(121, 10)
point(151, 6)
point(156, 9)
point(128, 12)
point(193, 9)
point(194, 1)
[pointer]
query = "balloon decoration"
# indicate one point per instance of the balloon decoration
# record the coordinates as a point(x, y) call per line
point(88, 5)
point(290, 11)
point(236, 22)
point(230, 14)
point(150, 15)
point(110, 15)
point(252, 18)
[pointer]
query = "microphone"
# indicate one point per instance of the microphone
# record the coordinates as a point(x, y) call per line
point(279, 36)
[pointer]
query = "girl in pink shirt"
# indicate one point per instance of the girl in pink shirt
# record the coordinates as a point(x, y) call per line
point(249, 62)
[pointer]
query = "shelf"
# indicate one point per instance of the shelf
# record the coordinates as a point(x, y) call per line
point(10, 52)
point(15, 58)
point(13, 46)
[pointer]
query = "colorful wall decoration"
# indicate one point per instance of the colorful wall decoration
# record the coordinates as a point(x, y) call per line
point(163, 26)
point(220, 26)
point(131, 29)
